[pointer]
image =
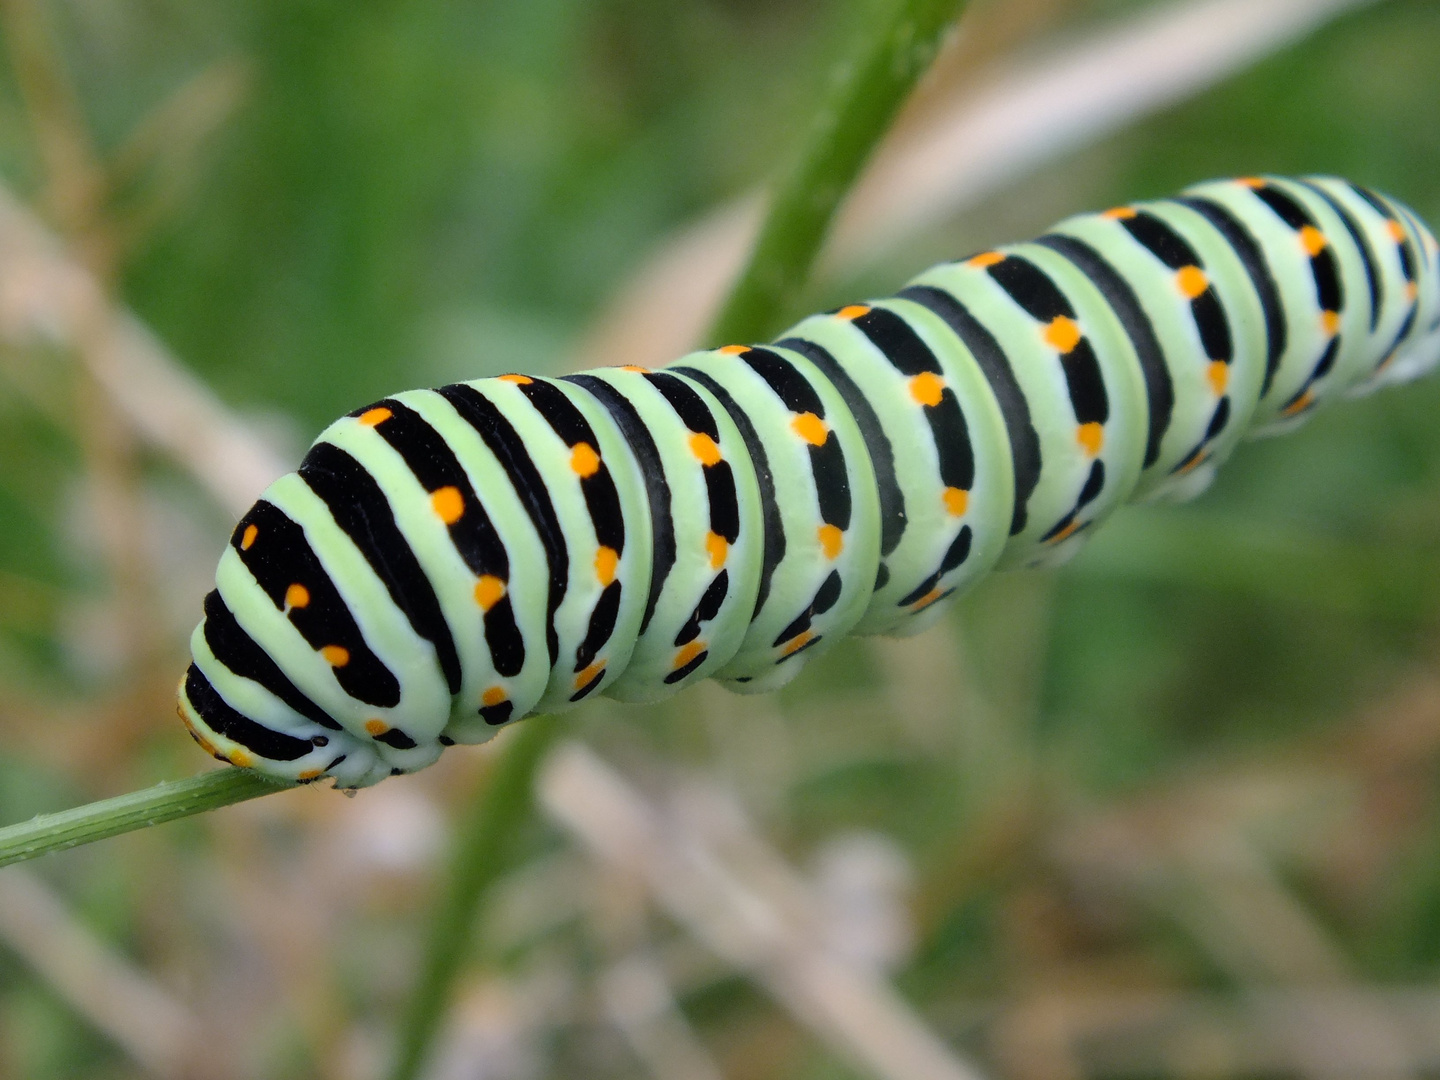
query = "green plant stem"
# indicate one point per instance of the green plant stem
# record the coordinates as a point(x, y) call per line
point(852, 122)
point(477, 859)
point(135, 810)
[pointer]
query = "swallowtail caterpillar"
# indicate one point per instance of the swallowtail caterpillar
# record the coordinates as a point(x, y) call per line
point(448, 561)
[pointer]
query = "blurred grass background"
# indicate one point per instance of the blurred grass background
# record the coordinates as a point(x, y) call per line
point(1169, 811)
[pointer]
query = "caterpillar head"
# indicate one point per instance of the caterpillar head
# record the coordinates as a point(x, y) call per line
point(283, 679)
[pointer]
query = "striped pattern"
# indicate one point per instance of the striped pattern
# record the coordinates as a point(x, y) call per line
point(448, 561)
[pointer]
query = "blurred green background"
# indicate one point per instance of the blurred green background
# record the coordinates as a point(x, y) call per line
point(1133, 817)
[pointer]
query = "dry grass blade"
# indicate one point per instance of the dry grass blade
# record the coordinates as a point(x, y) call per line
point(742, 901)
point(158, 1032)
point(48, 296)
point(76, 185)
point(160, 161)
point(1191, 859)
point(1128, 1033)
point(639, 1001)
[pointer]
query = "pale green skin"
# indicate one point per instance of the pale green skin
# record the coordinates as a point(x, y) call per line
point(805, 565)
point(652, 660)
point(1169, 312)
point(737, 646)
point(930, 527)
point(1038, 369)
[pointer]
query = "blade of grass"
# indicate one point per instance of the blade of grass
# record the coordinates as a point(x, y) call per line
point(850, 124)
point(135, 810)
point(476, 861)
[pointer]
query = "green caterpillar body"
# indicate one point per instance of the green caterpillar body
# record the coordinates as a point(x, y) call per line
point(448, 561)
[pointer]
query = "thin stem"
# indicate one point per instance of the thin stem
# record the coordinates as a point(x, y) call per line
point(848, 127)
point(477, 859)
point(135, 810)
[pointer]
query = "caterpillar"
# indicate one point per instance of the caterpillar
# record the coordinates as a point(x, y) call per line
point(445, 562)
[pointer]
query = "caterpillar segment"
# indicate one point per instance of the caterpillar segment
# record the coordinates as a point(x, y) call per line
point(818, 575)
point(445, 562)
point(705, 527)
